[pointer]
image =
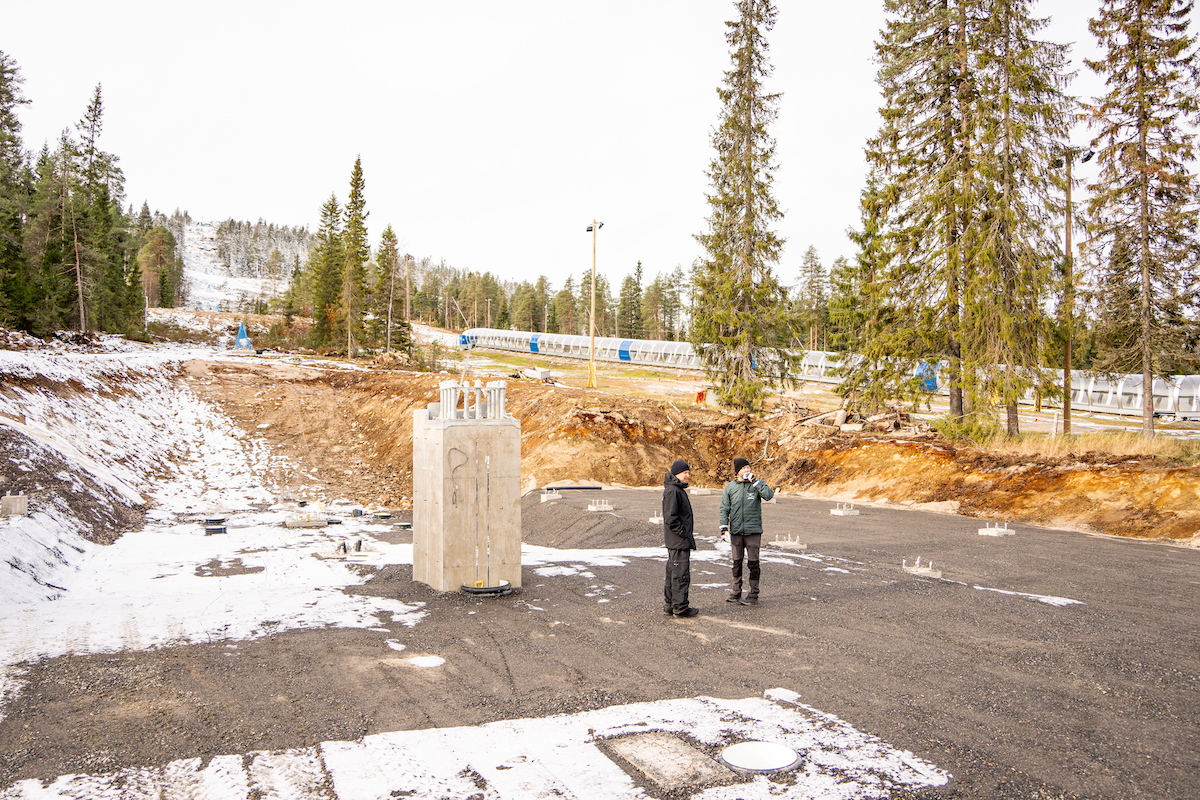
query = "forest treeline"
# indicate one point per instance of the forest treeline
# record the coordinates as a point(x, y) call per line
point(357, 294)
point(72, 255)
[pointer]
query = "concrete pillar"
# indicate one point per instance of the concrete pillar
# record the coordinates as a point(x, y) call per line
point(14, 504)
point(467, 490)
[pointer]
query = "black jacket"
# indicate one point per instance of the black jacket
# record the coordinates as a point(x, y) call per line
point(677, 515)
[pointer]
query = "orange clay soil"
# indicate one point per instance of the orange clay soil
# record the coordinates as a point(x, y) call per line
point(348, 434)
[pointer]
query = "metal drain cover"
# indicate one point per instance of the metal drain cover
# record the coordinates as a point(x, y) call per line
point(759, 757)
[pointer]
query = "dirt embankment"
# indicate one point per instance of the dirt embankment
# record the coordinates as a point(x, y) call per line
point(349, 434)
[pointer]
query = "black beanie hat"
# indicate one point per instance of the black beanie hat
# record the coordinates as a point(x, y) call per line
point(738, 463)
point(679, 466)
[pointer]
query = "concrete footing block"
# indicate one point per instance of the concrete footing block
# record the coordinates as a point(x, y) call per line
point(550, 495)
point(14, 505)
point(296, 522)
point(656, 520)
point(844, 510)
point(996, 530)
point(788, 542)
point(600, 505)
point(926, 571)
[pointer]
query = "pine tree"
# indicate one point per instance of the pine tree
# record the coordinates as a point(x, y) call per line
point(1144, 202)
point(541, 303)
point(357, 252)
point(564, 309)
point(89, 128)
point(156, 260)
point(743, 325)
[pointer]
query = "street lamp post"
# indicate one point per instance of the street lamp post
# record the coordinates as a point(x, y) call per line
point(591, 381)
point(489, 312)
point(1069, 154)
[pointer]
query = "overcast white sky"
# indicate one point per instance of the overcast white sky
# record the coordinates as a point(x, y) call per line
point(491, 133)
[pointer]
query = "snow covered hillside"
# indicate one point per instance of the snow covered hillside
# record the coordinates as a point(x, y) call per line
point(211, 287)
point(226, 264)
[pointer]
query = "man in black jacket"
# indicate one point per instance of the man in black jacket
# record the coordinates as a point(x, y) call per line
point(677, 530)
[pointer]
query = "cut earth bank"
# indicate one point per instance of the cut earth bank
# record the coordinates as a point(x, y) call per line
point(351, 433)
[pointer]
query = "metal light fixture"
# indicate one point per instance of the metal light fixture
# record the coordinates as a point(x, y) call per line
point(591, 380)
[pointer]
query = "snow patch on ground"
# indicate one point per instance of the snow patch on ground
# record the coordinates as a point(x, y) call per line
point(552, 757)
point(130, 428)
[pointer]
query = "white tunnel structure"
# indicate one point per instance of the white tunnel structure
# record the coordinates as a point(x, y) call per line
point(1178, 396)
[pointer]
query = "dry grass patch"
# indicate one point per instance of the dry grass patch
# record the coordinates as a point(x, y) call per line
point(1115, 444)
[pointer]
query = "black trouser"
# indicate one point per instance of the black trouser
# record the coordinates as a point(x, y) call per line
point(748, 546)
point(679, 579)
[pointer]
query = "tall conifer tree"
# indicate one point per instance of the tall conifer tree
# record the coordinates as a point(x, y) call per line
point(1022, 121)
point(15, 300)
point(1145, 200)
point(326, 262)
point(743, 324)
point(357, 252)
point(974, 109)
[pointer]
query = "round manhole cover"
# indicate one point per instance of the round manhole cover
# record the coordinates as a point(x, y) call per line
point(760, 757)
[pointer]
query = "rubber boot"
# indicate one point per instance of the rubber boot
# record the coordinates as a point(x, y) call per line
point(751, 597)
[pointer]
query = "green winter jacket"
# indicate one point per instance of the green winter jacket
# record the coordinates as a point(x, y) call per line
point(741, 506)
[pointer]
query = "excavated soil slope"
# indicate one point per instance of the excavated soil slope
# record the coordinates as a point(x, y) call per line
point(349, 434)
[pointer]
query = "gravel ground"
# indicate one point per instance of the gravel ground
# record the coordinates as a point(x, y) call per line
point(987, 672)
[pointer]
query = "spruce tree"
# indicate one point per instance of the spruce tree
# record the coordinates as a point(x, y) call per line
point(109, 301)
point(743, 325)
point(15, 298)
point(921, 162)
point(812, 300)
point(629, 315)
point(326, 262)
point(974, 109)
point(880, 340)
point(47, 248)
point(1022, 122)
point(1144, 201)
point(357, 252)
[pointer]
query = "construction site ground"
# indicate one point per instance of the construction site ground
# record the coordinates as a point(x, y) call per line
point(1046, 664)
point(1061, 661)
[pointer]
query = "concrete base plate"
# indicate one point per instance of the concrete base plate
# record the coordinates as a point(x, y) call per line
point(667, 760)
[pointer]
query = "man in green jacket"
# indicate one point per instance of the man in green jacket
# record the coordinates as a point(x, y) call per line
point(741, 518)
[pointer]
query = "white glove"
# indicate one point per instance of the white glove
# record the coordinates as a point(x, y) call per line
point(749, 477)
